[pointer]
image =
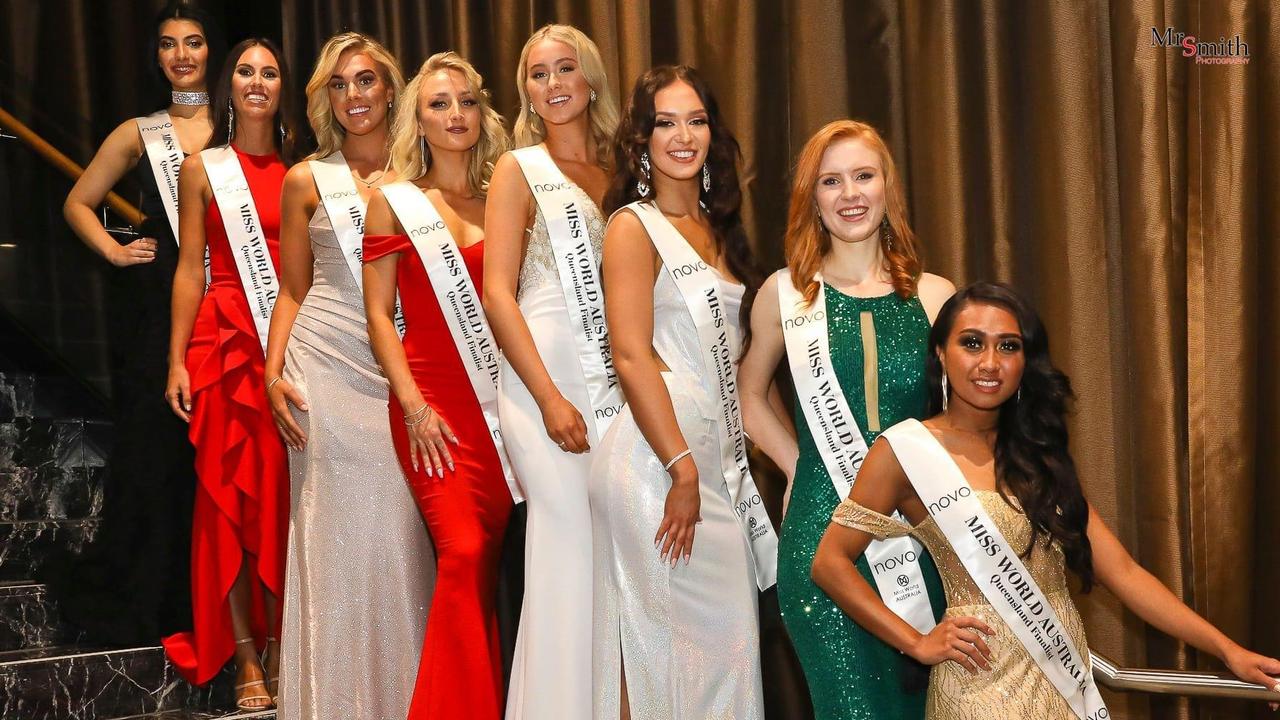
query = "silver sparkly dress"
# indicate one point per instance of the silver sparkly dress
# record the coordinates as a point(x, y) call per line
point(551, 669)
point(360, 567)
point(689, 635)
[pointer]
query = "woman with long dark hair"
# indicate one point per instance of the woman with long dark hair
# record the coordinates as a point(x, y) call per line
point(132, 585)
point(426, 243)
point(681, 539)
point(229, 202)
point(850, 314)
point(557, 391)
point(989, 486)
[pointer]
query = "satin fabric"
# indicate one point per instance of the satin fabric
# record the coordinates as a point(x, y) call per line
point(466, 510)
point(242, 493)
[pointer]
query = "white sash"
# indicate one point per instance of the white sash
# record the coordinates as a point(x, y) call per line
point(995, 566)
point(164, 152)
point(244, 234)
point(699, 285)
point(165, 155)
point(345, 208)
point(894, 562)
point(459, 303)
point(579, 271)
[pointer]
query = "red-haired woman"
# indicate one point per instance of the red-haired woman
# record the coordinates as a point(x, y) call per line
point(851, 313)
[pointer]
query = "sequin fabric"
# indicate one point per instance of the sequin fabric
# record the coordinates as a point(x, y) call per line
point(1014, 687)
point(852, 675)
point(539, 269)
point(360, 567)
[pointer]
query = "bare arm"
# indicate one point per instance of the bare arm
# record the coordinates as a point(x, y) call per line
point(507, 211)
point(882, 486)
point(118, 155)
point(630, 270)
point(428, 432)
point(762, 410)
point(298, 200)
point(1150, 600)
point(194, 194)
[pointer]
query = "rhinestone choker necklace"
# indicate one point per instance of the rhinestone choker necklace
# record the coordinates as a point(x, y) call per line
point(190, 98)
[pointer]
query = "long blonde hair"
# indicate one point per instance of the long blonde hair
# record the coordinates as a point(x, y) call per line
point(329, 132)
point(808, 242)
point(411, 158)
point(529, 128)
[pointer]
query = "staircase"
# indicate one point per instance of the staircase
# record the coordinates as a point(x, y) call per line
point(52, 465)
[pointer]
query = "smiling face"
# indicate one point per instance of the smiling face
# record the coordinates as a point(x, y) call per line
point(681, 132)
point(359, 95)
point(983, 357)
point(555, 83)
point(448, 112)
point(183, 54)
point(256, 84)
point(850, 192)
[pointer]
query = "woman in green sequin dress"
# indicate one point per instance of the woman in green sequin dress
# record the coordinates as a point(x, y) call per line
point(847, 221)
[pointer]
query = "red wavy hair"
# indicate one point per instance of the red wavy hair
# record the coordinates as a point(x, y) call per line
point(807, 241)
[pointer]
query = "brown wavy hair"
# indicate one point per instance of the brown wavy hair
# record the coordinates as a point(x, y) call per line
point(808, 242)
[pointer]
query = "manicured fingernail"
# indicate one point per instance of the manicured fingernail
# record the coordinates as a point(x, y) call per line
point(304, 406)
point(450, 467)
point(1276, 687)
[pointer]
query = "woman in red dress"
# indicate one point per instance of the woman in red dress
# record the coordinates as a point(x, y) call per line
point(447, 139)
point(215, 382)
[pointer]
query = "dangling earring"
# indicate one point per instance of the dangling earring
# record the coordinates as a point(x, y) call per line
point(886, 231)
point(231, 121)
point(706, 177)
point(535, 112)
point(281, 132)
point(642, 185)
point(422, 151)
point(593, 94)
point(818, 214)
point(1018, 397)
point(944, 390)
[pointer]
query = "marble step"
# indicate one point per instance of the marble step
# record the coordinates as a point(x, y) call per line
point(87, 683)
point(29, 618)
point(24, 544)
point(196, 715)
point(51, 493)
point(27, 395)
point(39, 443)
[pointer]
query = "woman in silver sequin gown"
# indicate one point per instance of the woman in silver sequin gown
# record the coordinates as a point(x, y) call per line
point(360, 566)
point(542, 395)
point(676, 630)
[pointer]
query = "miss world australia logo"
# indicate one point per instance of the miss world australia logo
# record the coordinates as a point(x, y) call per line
point(1222, 51)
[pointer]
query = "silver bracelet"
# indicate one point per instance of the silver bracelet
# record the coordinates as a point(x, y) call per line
point(677, 459)
point(273, 381)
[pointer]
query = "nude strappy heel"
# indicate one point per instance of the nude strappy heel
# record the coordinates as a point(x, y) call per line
point(243, 702)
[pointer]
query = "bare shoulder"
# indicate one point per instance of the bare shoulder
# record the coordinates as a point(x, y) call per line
point(625, 224)
point(508, 177)
point(125, 142)
point(934, 291)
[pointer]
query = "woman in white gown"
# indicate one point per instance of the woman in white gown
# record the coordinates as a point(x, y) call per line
point(557, 389)
point(676, 631)
point(360, 569)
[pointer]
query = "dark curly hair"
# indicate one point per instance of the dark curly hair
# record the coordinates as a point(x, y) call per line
point(291, 144)
point(1033, 462)
point(723, 201)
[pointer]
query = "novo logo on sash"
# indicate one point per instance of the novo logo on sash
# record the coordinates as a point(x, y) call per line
point(689, 269)
point(550, 187)
point(799, 320)
point(153, 128)
point(341, 194)
point(427, 229)
point(234, 186)
point(947, 500)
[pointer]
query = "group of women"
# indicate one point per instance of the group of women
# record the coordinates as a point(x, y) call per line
point(382, 347)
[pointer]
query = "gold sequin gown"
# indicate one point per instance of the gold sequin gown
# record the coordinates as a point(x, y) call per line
point(1015, 687)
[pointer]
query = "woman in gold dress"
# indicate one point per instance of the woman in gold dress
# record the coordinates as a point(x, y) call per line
point(1002, 427)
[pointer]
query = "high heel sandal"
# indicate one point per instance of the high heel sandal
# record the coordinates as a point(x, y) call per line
point(272, 681)
point(242, 702)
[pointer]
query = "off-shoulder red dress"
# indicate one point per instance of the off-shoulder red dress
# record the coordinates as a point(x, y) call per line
point(242, 489)
point(460, 675)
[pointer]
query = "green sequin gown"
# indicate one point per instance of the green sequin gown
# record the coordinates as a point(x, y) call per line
point(852, 675)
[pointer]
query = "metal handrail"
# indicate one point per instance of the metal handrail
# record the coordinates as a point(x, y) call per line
point(66, 165)
point(1193, 683)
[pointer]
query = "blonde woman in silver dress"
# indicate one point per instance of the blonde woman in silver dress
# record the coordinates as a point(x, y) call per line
point(681, 540)
point(360, 567)
point(557, 390)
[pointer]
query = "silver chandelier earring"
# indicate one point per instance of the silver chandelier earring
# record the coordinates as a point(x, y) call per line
point(944, 390)
point(593, 94)
point(642, 185)
point(886, 231)
point(535, 112)
point(706, 177)
point(231, 121)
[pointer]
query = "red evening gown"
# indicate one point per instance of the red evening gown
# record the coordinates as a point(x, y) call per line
point(460, 675)
point(242, 489)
